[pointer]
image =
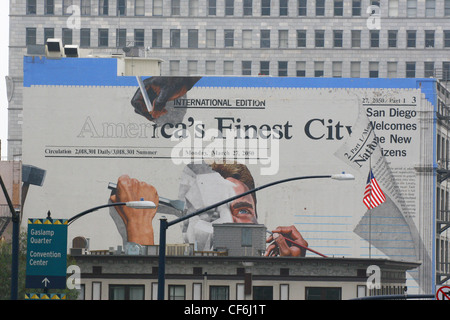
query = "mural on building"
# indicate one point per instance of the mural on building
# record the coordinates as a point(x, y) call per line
point(200, 140)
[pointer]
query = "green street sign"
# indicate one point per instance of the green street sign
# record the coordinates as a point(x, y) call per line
point(46, 254)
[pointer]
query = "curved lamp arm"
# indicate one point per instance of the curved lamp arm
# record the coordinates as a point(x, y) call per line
point(131, 204)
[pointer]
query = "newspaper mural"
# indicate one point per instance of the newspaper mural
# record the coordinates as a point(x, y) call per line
point(196, 141)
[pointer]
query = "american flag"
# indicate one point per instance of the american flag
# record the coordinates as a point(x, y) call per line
point(373, 195)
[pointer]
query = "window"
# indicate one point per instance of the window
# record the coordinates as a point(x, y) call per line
point(139, 35)
point(157, 38)
point(247, 38)
point(337, 38)
point(49, 7)
point(374, 38)
point(446, 70)
point(428, 69)
point(175, 38)
point(157, 7)
point(246, 68)
point(323, 293)
point(210, 67)
point(265, 39)
point(85, 7)
point(192, 66)
point(212, 7)
point(282, 68)
point(338, 8)
point(320, 7)
point(228, 67)
point(302, 7)
point(31, 6)
point(85, 37)
point(318, 68)
point(126, 292)
point(336, 69)
point(411, 8)
point(393, 8)
point(319, 37)
point(356, 8)
point(283, 38)
point(174, 67)
point(102, 37)
point(411, 38)
point(193, 8)
point(229, 38)
point(139, 7)
point(264, 68)
point(66, 36)
point(96, 290)
point(262, 293)
point(429, 38)
point(103, 7)
point(30, 36)
point(175, 9)
point(177, 292)
point(356, 38)
point(430, 8)
point(373, 69)
point(265, 8)
point(121, 38)
point(446, 38)
point(355, 69)
point(392, 69)
point(300, 67)
point(392, 38)
point(196, 291)
point(192, 38)
point(301, 38)
point(284, 10)
point(210, 38)
point(219, 292)
point(121, 7)
point(248, 8)
point(410, 69)
point(48, 34)
point(66, 5)
point(284, 292)
point(447, 8)
point(229, 7)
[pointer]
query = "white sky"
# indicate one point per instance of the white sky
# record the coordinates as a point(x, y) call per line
point(4, 39)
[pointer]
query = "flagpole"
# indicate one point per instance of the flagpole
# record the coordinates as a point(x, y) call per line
point(370, 214)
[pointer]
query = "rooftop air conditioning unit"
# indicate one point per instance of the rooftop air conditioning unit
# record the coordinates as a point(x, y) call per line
point(54, 48)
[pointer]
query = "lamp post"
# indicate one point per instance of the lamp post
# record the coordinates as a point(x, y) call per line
point(164, 224)
point(15, 244)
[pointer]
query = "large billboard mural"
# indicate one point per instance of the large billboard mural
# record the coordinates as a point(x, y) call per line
point(200, 140)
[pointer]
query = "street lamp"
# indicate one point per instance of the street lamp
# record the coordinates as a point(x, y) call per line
point(164, 225)
point(131, 204)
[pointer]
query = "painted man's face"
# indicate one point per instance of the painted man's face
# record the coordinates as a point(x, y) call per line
point(243, 210)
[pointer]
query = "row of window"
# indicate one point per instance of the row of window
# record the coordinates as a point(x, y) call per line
point(319, 69)
point(266, 7)
point(247, 38)
point(216, 292)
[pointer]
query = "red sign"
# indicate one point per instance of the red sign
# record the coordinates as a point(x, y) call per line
point(443, 293)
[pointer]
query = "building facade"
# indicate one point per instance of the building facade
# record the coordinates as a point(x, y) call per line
point(118, 277)
point(294, 38)
point(291, 38)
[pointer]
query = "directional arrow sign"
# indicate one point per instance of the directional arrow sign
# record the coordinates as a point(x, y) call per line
point(46, 254)
point(45, 282)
